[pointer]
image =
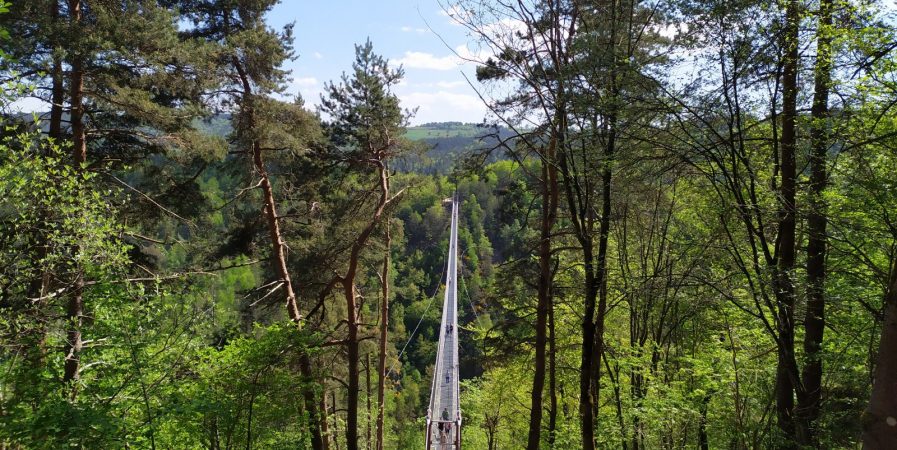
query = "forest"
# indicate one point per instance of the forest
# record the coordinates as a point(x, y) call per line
point(678, 230)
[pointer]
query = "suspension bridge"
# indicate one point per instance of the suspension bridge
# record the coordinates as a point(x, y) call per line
point(444, 412)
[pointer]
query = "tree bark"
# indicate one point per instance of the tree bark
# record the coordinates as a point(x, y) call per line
point(384, 324)
point(367, 376)
point(335, 423)
point(578, 202)
point(880, 417)
point(277, 247)
point(786, 381)
point(75, 307)
point(348, 282)
point(57, 96)
point(270, 207)
point(548, 216)
point(325, 426)
point(552, 374)
point(317, 422)
point(808, 407)
point(601, 270)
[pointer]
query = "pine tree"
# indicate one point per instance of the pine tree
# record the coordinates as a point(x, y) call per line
point(366, 127)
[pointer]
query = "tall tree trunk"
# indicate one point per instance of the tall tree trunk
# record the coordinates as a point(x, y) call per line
point(586, 400)
point(582, 228)
point(384, 326)
point(703, 441)
point(57, 96)
point(349, 290)
point(277, 244)
point(784, 286)
point(335, 421)
point(367, 376)
point(548, 215)
point(75, 307)
point(880, 417)
point(325, 425)
point(808, 406)
point(552, 374)
point(270, 208)
point(600, 279)
point(601, 269)
point(578, 203)
point(277, 247)
point(352, 351)
point(317, 418)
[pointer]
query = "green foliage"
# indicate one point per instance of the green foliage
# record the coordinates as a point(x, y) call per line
point(186, 342)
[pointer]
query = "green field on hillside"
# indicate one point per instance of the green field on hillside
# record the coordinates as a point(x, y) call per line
point(441, 130)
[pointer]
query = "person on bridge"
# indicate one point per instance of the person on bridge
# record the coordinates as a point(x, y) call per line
point(445, 414)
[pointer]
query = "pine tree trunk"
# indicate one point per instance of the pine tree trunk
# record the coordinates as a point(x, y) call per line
point(784, 285)
point(277, 248)
point(600, 281)
point(351, 295)
point(335, 422)
point(880, 417)
point(325, 425)
point(548, 215)
point(552, 375)
point(277, 244)
point(384, 326)
point(269, 209)
point(367, 376)
point(57, 96)
point(352, 350)
point(587, 327)
point(316, 418)
point(807, 411)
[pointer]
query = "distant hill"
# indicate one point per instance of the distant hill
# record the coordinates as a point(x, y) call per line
point(444, 129)
point(448, 143)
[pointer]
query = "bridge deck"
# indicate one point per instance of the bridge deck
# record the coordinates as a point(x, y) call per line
point(444, 418)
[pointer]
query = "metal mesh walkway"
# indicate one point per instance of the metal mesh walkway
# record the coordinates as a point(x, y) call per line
point(444, 413)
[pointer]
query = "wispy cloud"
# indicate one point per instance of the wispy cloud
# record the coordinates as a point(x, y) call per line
point(422, 60)
point(442, 105)
point(317, 55)
point(413, 30)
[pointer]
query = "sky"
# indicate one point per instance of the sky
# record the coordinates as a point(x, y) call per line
point(406, 32)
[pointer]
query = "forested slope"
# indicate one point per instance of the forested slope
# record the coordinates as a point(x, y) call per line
point(676, 231)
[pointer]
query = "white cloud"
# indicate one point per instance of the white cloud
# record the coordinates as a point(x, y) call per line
point(317, 55)
point(443, 106)
point(414, 30)
point(461, 55)
point(421, 60)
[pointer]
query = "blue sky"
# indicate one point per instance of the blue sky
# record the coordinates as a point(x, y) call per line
point(404, 31)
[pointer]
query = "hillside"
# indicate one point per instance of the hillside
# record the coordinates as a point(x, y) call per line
point(446, 143)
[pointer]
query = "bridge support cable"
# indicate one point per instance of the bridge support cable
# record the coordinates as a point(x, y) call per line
point(444, 412)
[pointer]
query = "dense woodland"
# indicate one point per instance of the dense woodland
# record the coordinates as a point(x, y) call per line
point(678, 230)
